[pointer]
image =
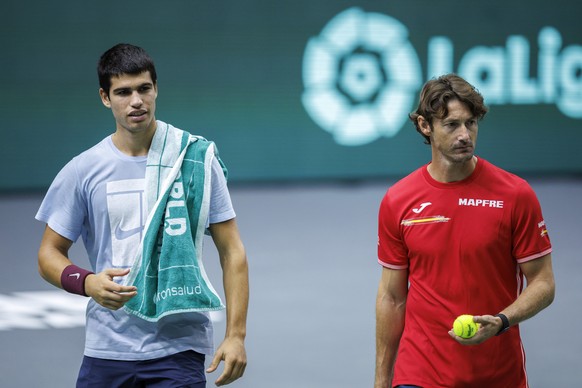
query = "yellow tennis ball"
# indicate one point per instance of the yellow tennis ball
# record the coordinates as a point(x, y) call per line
point(464, 326)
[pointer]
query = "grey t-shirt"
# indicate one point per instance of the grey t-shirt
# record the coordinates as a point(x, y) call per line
point(99, 195)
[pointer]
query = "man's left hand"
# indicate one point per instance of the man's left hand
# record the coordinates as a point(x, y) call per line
point(489, 327)
point(232, 352)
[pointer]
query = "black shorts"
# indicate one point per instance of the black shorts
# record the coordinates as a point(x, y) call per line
point(185, 369)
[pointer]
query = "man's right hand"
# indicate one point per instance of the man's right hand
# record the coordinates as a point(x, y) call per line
point(106, 292)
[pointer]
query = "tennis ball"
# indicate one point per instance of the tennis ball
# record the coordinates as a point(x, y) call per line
point(464, 326)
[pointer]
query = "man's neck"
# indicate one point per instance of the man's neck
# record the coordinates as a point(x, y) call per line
point(134, 143)
point(445, 171)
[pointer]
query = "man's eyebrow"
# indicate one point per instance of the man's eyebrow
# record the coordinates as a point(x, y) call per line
point(451, 119)
point(121, 89)
point(124, 88)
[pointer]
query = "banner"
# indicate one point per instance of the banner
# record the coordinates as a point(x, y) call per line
point(303, 90)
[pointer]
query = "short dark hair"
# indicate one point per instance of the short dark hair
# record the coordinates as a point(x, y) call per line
point(437, 93)
point(121, 59)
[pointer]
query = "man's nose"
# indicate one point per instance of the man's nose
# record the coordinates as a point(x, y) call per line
point(463, 134)
point(136, 100)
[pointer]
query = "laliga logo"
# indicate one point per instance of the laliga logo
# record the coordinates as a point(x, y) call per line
point(362, 75)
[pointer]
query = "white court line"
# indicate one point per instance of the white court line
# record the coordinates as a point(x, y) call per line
point(40, 310)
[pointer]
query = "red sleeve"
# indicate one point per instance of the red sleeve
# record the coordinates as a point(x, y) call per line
point(530, 236)
point(392, 252)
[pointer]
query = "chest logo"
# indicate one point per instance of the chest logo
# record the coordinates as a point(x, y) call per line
point(122, 234)
point(424, 220)
point(421, 207)
point(481, 202)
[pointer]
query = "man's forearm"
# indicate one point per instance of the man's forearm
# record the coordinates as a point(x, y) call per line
point(53, 256)
point(538, 294)
point(533, 299)
point(235, 277)
point(236, 289)
point(389, 327)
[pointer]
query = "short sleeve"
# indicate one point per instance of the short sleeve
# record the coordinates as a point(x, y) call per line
point(530, 237)
point(392, 252)
point(221, 208)
point(64, 208)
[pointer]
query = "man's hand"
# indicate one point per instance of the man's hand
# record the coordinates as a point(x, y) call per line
point(490, 326)
point(106, 292)
point(232, 352)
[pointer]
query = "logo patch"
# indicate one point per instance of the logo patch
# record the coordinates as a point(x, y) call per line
point(127, 211)
point(481, 202)
point(542, 228)
point(122, 234)
point(424, 220)
point(421, 207)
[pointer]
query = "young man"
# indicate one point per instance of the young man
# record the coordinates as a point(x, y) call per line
point(101, 195)
point(457, 236)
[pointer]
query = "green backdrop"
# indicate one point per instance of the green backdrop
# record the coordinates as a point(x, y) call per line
point(234, 72)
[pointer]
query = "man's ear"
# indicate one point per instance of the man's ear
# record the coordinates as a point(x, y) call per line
point(104, 98)
point(424, 126)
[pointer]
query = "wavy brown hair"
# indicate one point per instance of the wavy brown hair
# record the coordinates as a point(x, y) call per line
point(437, 93)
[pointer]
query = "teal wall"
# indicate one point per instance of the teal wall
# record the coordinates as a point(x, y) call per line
point(238, 72)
